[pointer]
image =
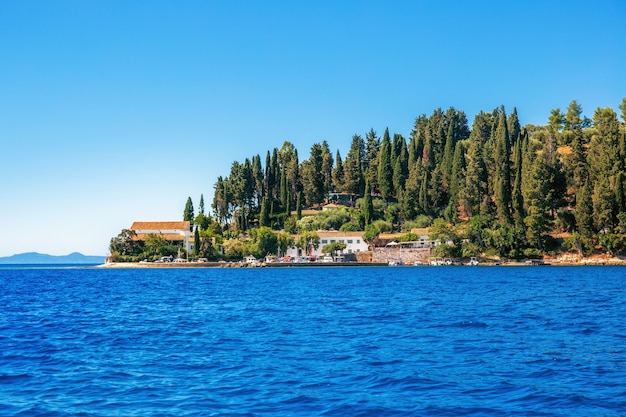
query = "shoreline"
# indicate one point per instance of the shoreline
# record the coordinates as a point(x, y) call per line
point(140, 265)
point(592, 261)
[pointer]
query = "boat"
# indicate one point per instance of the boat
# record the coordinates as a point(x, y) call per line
point(473, 261)
point(396, 262)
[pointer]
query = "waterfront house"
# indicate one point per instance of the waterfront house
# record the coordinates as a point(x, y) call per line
point(175, 232)
point(353, 240)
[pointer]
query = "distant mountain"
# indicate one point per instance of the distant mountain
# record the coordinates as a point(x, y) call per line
point(40, 258)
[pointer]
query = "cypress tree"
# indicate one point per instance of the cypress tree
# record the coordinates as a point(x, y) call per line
point(400, 169)
point(196, 242)
point(620, 201)
point(188, 215)
point(457, 180)
point(385, 170)
point(514, 127)
point(338, 174)
point(538, 221)
point(368, 207)
point(264, 218)
point(372, 147)
point(448, 156)
point(517, 197)
point(502, 183)
point(299, 206)
point(584, 211)
point(201, 205)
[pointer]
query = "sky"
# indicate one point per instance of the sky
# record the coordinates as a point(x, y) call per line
point(117, 111)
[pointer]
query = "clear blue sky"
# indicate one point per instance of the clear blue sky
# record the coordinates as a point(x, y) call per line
point(116, 111)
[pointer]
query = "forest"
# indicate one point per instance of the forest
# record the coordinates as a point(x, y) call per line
point(496, 188)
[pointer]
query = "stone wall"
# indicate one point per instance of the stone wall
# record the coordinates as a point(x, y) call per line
point(408, 256)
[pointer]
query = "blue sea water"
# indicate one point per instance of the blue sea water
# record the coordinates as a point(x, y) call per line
point(332, 341)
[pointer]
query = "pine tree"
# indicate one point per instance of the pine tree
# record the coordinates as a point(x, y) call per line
point(603, 204)
point(576, 161)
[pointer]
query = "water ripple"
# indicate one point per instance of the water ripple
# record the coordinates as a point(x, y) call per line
point(336, 342)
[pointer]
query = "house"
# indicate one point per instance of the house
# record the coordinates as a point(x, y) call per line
point(353, 240)
point(176, 232)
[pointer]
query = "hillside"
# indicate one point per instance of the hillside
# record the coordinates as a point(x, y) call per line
point(40, 258)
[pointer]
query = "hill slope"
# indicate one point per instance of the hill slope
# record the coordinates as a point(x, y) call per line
point(40, 258)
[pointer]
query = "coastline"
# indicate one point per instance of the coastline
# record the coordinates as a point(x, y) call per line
point(563, 260)
point(139, 265)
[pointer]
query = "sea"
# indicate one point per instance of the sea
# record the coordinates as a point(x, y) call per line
point(323, 341)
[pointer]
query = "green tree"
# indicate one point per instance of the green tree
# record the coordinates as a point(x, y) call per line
point(502, 190)
point(201, 204)
point(306, 239)
point(188, 215)
point(538, 220)
point(196, 241)
point(368, 206)
point(327, 168)
point(124, 243)
point(338, 174)
point(299, 206)
point(576, 161)
point(584, 211)
point(400, 164)
point(442, 232)
point(354, 181)
point(264, 217)
point(313, 177)
point(517, 196)
point(265, 240)
point(258, 180)
point(334, 247)
point(222, 201)
point(372, 147)
point(385, 170)
point(457, 181)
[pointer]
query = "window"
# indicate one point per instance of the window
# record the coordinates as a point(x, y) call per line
point(324, 241)
point(358, 241)
point(349, 241)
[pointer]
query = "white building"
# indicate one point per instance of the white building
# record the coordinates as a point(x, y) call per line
point(353, 240)
point(172, 231)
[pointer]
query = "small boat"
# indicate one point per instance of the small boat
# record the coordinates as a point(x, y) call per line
point(396, 262)
point(472, 262)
